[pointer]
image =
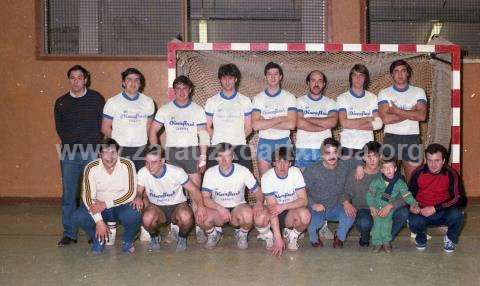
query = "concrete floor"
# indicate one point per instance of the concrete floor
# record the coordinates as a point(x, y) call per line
point(29, 256)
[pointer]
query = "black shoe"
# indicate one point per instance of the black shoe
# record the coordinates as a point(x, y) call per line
point(363, 243)
point(66, 241)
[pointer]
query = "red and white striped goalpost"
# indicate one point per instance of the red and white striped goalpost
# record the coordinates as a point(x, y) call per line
point(454, 51)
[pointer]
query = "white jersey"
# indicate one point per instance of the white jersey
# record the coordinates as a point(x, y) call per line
point(228, 115)
point(314, 108)
point(129, 118)
point(228, 190)
point(181, 123)
point(165, 189)
point(356, 107)
point(405, 100)
point(284, 189)
point(271, 106)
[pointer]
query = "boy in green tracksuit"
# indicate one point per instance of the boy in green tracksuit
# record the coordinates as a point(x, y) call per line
point(384, 190)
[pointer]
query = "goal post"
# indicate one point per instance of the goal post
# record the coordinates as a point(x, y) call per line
point(440, 78)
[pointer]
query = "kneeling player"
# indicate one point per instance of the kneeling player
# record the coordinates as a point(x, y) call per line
point(286, 197)
point(166, 201)
point(224, 192)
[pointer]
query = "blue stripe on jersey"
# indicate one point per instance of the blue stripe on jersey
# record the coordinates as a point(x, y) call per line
point(206, 190)
point(382, 102)
point(107, 116)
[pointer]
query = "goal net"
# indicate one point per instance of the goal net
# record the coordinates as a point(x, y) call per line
point(438, 76)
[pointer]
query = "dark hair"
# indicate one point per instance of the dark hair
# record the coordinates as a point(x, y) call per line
point(402, 63)
point(108, 143)
point(222, 147)
point(185, 81)
point(230, 70)
point(85, 72)
point(330, 141)
point(307, 80)
point(283, 153)
point(363, 70)
point(372, 147)
point(435, 148)
point(155, 150)
point(130, 71)
point(272, 65)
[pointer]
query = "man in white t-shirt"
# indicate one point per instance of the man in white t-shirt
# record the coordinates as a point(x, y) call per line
point(127, 116)
point(402, 106)
point(357, 112)
point(224, 192)
point(163, 185)
point(109, 186)
point(285, 193)
point(229, 117)
point(316, 115)
point(187, 138)
point(185, 127)
point(273, 116)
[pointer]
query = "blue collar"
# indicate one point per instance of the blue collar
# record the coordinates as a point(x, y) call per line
point(273, 95)
point(310, 96)
point(400, 89)
point(162, 173)
point(281, 178)
point(226, 97)
point(130, 98)
point(182, 106)
point(230, 172)
point(357, 95)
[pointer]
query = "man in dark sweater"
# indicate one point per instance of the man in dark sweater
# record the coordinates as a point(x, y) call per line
point(354, 199)
point(436, 187)
point(325, 182)
point(78, 117)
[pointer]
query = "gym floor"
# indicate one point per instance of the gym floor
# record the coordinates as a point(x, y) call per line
point(29, 256)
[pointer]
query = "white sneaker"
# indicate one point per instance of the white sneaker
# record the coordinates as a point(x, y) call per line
point(212, 239)
point(172, 234)
point(242, 239)
point(268, 238)
point(200, 234)
point(292, 240)
point(286, 232)
point(112, 226)
point(325, 232)
point(144, 235)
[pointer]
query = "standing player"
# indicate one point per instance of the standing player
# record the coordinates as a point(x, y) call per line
point(402, 107)
point(163, 183)
point(127, 116)
point(274, 115)
point(316, 115)
point(229, 116)
point(358, 112)
point(224, 192)
point(78, 116)
point(285, 193)
point(186, 135)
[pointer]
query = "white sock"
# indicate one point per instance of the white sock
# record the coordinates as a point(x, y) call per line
point(263, 230)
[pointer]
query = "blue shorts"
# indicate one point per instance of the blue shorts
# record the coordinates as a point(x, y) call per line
point(306, 157)
point(266, 147)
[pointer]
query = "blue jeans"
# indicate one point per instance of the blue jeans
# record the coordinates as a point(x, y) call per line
point(364, 222)
point(72, 171)
point(451, 217)
point(336, 213)
point(306, 157)
point(125, 214)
